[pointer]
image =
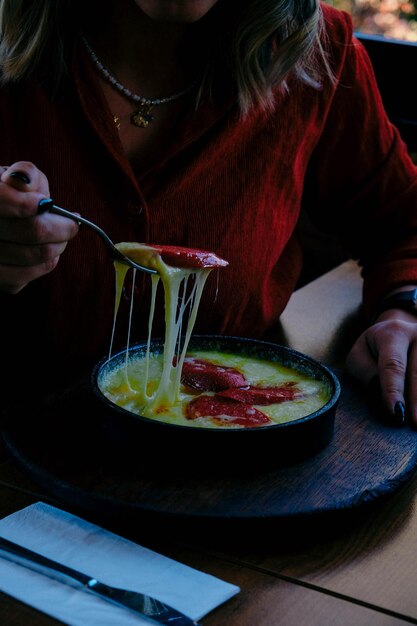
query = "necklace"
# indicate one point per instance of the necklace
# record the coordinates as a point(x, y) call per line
point(141, 116)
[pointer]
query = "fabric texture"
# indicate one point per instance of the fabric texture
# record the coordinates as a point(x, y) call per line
point(222, 184)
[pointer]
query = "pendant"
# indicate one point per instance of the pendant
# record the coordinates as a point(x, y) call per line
point(142, 116)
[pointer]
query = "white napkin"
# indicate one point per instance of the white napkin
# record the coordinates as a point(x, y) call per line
point(108, 557)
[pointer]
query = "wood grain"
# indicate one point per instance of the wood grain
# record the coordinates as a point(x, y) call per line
point(262, 602)
point(374, 561)
point(66, 453)
point(264, 599)
point(358, 564)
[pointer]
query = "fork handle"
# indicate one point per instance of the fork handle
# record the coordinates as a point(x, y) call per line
point(47, 204)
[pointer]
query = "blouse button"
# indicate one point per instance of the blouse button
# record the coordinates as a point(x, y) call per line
point(134, 208)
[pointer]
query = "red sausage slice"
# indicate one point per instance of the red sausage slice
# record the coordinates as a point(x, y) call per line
point(205, 376)
point(263, 395)
point(178, 256)
point(226, 412)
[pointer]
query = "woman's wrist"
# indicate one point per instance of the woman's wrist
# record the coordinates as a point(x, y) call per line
point(400, 303)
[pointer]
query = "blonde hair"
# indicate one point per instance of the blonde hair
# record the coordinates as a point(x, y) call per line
point(260, 42)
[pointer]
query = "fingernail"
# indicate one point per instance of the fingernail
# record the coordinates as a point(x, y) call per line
point(18, 175)
point(399, 413)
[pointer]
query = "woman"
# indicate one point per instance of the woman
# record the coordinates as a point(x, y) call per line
point(204, 124)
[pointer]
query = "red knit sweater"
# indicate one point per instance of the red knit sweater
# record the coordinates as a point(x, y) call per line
point(222, 184)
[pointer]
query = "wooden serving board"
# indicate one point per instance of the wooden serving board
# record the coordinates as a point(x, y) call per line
point(63, 448)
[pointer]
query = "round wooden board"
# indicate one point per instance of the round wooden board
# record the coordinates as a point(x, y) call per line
point(63, 448)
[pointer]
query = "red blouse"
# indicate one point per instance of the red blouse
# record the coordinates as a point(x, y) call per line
point(222, 184)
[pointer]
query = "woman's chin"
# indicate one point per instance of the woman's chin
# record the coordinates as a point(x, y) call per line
point(178, 11)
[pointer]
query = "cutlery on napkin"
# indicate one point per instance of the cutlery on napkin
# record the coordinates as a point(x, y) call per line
point(138, 602)
point(110, 558)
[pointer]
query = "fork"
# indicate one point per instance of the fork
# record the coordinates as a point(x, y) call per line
point(47, 205)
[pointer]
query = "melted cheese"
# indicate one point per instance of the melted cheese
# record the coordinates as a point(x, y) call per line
point(258, 372)
point(183, 288)
point(150, 384)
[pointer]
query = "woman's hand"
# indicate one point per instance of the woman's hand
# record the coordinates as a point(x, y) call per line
point(388, 350)
point(30, 244)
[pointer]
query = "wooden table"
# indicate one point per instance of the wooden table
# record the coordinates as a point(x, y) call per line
point(362, 570)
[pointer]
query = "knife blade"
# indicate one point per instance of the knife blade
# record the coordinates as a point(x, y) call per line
point(140, 603)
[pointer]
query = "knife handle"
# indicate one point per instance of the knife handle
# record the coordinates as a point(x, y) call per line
point(138, 602)
point(29, 555)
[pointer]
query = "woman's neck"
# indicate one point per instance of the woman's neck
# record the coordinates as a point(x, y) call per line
point(146, 56)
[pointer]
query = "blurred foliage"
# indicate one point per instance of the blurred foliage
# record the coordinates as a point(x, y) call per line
point(396, 19)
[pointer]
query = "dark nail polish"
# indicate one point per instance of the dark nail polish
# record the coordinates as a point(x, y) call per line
point(24, 178)
point(399, 413)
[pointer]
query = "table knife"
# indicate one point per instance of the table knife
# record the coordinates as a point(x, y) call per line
point(138, 602)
